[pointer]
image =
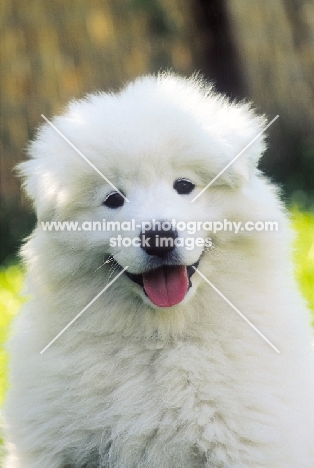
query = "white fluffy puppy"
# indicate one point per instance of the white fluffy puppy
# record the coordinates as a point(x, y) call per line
point(160, 371)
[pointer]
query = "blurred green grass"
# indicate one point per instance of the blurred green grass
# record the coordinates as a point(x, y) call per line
point(303, 223)
point(11, 280)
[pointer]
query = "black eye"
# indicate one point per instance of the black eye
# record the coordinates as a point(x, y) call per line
point(114, 200)
point(183, 186)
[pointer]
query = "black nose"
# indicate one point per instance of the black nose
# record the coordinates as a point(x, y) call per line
point(158, 241)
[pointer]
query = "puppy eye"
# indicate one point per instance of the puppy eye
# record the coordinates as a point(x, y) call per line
point(183, 186)
point(114, 200)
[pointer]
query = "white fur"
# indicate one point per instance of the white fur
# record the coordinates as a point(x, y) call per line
point(131, 385)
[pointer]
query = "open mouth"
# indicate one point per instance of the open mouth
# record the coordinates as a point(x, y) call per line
point(167, 285)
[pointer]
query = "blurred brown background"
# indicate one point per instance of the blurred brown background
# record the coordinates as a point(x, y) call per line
point(52, 51)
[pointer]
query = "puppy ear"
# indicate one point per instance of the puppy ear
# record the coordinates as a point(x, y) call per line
point(245, 136)
point(45, 174)
point(41, 181)
point(39, 187)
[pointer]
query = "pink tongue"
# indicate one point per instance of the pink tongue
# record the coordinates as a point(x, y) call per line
point(166, 286)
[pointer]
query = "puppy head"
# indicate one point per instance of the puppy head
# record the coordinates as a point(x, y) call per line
point(126, 168)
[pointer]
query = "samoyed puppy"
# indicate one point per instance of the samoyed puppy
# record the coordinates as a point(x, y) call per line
point(162, 330)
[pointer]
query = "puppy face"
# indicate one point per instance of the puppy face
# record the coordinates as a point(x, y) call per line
point(161, 249)
point(159, 143)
